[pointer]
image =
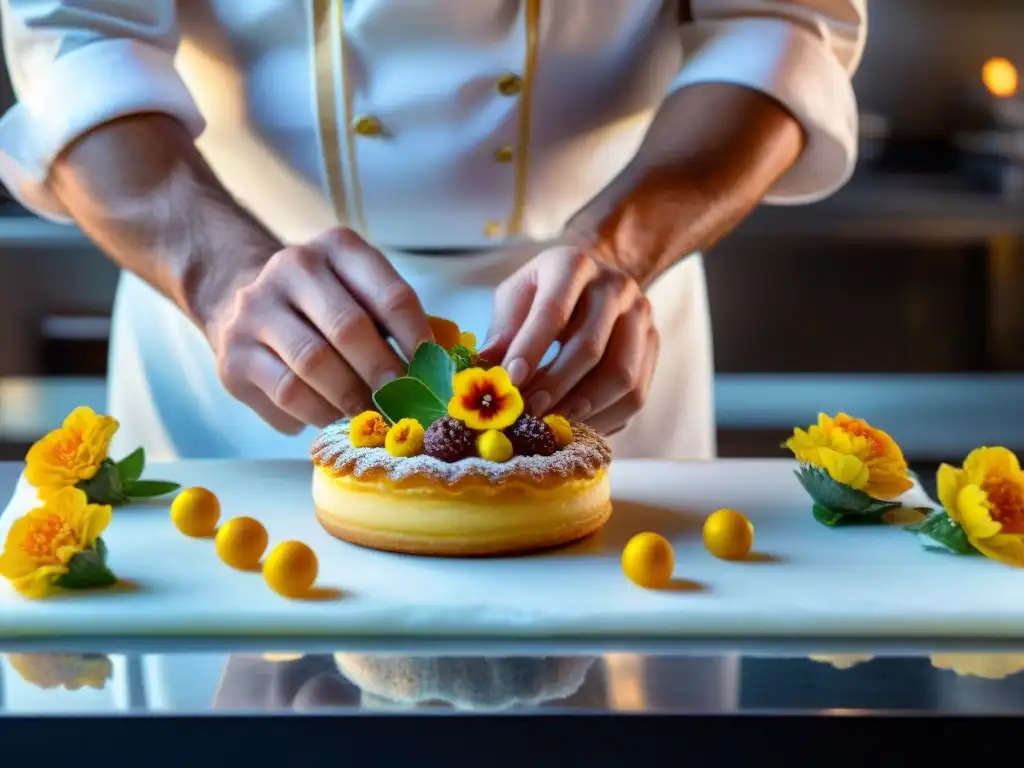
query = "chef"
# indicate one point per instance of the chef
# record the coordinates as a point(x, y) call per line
point(287, 182)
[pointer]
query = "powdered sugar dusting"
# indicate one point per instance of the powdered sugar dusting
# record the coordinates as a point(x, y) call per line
point(585, 455)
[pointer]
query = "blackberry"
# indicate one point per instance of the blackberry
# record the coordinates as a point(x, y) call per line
point(530, 436)
point(449, 440)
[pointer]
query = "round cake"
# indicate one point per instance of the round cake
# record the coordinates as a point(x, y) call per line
point(472, 506)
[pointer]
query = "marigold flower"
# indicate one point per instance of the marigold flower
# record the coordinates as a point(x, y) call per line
point(405, 438)
point(854, 454)
point(71, 453)
point(485, 399)
point(368, 430)
point(41, 545)
point(986, 496)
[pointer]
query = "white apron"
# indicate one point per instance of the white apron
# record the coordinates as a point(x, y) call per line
point(165, 392)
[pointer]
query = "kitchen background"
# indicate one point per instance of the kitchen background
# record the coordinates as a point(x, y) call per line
point(901, 299)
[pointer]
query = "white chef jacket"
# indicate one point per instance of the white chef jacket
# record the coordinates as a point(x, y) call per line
point(440, 124)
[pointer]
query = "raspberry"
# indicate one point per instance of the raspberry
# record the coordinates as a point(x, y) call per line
point(530, 436)
point(449, 440)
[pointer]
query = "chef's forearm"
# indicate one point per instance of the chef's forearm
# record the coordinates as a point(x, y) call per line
point(711, 154)
point(142, 192)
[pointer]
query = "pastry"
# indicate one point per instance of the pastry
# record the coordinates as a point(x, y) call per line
point(480, 478)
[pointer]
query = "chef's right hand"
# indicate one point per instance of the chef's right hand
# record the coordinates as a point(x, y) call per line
point(297, 339)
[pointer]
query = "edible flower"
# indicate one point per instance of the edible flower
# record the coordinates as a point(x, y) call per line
point(449, 335)
point(71, 453)
point(852, 470)
point(485, 399)
point(58, 545)
point(368, 430)
point(71, 671)
point(405, 438)
point(75, 455)
point(985, 497)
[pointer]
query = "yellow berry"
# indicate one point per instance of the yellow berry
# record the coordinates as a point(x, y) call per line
point(405, 438)
point(728, 535)
point(290, 569)
point(648, 560)
point(195, 512)
point(468, 340)
point(492, 445)
point(560, 428)
point(241, 543)
point(368, 430)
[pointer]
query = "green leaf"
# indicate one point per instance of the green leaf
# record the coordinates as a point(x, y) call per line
point(88, 570)
point(827, 516)
point(433, 366)
point(409, 398)
point(131, 466)
point(462, 358)
point(839, 498)
point(148, 489)
point(105, 486)
point(940, 531)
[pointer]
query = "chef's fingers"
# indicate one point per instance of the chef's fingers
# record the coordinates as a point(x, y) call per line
point(512, 301)
point(561, 276)
point(583, 346)
point(619, 375)
point(237, 367)
point(614, 418)
point(377, 286)
point(348, 339)
point(316, 384)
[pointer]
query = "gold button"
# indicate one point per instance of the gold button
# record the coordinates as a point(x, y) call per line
point(493, 229)
point(367, 125)
point(510, 84)
point(504, 154)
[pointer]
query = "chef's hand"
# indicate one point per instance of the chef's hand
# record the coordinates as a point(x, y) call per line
point(297, 339)
point(603, 323)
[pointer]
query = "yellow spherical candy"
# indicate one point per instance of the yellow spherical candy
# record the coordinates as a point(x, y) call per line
point(648, 560)
point(405, 438)
point(195, 512)
point(728, 535)
point(241, 543)
point(368, 430)
point(290, 569)
point(493, 445)
point(560, 427)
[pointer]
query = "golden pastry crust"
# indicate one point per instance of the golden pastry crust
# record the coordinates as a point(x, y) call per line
point(448, 546)
point(582, 459)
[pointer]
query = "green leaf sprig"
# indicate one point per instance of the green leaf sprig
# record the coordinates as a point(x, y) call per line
point(423, 393)
point(88, 569)
point(119, 483)
point(836, 504)
point(940, 531)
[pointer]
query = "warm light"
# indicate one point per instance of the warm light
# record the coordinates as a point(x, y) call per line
point(1001, 78)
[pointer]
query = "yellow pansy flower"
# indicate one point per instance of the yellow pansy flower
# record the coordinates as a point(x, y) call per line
point(854, 454)
point(70, 671)
point(71, 453)
point(485, 399)
point(986, 496)
point(41, 545)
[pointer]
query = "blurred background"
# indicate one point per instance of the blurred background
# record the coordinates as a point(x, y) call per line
point(900, 300)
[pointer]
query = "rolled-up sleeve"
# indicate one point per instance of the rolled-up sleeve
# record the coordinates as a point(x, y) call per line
point(803, 54)
point(75, 65)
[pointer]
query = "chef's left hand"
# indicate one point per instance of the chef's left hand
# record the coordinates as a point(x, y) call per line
point(603, 323)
